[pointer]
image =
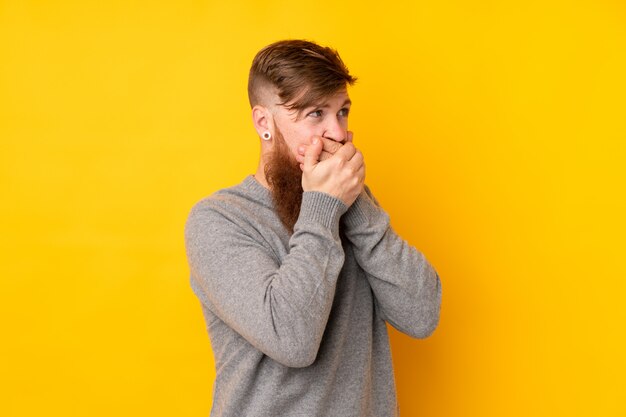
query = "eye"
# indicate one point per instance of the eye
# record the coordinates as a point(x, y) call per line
point(316, 113)
point(344, 112)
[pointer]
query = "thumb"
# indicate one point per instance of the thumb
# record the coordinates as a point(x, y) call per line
point(312, 154)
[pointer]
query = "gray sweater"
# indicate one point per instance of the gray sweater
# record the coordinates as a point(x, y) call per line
point(297, 322)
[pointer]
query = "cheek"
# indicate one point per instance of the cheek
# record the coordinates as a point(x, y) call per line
point(293, 143)
point(304, 136)
point(299, 135)
point(299, 138)
point(293, 150)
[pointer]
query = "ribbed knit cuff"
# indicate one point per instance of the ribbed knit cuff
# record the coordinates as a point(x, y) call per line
point(362, 211)
point(321, 208)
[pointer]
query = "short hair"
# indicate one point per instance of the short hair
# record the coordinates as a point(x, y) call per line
point(297, 67)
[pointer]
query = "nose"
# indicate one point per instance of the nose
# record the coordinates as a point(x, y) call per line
point(336, 130)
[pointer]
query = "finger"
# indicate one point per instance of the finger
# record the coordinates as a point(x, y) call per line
point(331, 146)
point(350, 135)
point(312, 138)
point(311, 157)
point(302, 148)
point(361, 173)
point(357, 160)
point(325, 155)
point(346, 152)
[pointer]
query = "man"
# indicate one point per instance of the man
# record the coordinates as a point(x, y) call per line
point(297, 268)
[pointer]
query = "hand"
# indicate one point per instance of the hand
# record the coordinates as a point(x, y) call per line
point(342, 174)
point(329, 149)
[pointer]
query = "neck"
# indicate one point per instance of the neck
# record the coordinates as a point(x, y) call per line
point(260, 173)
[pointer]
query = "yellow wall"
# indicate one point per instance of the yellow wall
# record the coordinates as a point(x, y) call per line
point(493, 132)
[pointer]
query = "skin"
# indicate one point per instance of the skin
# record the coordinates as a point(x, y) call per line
point(329, 148)
point(318, 140)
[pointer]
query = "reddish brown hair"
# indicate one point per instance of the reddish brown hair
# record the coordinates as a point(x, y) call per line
point(297, 68)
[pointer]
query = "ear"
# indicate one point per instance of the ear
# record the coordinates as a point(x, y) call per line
point(263, 120)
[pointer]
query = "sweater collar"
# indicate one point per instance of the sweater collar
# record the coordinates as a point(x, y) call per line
point(258, 190)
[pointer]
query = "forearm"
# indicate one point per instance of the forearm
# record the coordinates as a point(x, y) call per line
point(281, 308)
point(405, 284)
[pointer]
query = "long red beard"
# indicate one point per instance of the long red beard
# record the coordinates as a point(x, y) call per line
point(284, 176)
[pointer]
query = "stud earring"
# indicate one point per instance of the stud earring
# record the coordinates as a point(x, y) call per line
point(267, 135)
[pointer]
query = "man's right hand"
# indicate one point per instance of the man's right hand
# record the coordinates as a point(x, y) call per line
point(341, 174)
point(330, 147)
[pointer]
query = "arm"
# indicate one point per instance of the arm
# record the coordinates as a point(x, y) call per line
point(281, 309)
point(406, 287)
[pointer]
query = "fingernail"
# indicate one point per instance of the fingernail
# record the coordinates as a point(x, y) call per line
point(315, 141)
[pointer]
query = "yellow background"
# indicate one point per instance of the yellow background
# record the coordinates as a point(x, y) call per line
point(494, 135)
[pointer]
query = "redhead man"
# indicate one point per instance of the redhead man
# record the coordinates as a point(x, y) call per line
point(297, 268)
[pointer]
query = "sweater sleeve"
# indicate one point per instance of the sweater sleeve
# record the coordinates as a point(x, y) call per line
point(280, 308)
point(406, 287)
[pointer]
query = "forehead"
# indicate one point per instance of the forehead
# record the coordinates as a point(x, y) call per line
point(338, 99)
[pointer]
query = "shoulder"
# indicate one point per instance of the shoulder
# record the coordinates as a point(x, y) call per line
point(239, 207)
point(222, 204)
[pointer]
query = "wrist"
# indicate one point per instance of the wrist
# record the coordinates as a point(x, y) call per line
point(364, 210)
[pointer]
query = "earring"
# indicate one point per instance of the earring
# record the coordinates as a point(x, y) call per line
point(267, 135)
